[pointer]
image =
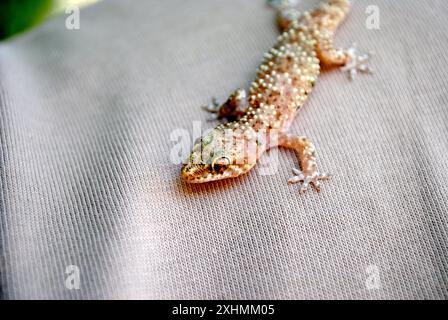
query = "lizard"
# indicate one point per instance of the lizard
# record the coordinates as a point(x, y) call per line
point(284, 80)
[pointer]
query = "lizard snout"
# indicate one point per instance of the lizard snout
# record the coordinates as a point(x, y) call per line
point(193, 172)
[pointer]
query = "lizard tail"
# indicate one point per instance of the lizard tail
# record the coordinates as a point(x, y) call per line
point(328, 15)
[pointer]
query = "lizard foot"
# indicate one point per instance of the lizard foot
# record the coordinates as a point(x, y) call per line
point(213, 108)
point(357, 62)
point(232, 109)
point(308, 180)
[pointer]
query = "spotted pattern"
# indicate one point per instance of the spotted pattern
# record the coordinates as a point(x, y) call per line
point(284, 81)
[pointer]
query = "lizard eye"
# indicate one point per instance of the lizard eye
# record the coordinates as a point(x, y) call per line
point(219, 162)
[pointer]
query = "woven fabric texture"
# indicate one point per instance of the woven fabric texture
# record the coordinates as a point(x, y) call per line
point(86, 178)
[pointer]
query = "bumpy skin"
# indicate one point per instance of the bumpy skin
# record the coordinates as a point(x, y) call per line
point(284, 81)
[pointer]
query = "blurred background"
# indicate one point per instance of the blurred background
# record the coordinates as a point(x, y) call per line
point(18, 16)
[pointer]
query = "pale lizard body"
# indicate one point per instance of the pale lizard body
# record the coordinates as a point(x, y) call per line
point(284, 81)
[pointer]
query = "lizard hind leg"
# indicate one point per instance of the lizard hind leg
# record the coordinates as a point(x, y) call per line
point(309, 175)
point(349, 60)
point(357, 62)
point(232, 109)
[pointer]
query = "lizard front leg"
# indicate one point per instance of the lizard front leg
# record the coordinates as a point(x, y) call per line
point(234, 107)
point(309, 175)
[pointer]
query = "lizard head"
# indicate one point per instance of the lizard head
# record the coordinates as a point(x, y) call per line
point(214, 158)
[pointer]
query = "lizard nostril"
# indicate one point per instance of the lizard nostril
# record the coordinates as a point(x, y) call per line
point(192, 171)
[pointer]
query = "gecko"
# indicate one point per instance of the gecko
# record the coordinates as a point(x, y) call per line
point(283, 82)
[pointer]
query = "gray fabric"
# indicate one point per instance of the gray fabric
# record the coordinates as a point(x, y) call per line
point(86, 176)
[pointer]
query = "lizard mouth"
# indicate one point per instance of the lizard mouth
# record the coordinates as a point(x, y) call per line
point(198, 173)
